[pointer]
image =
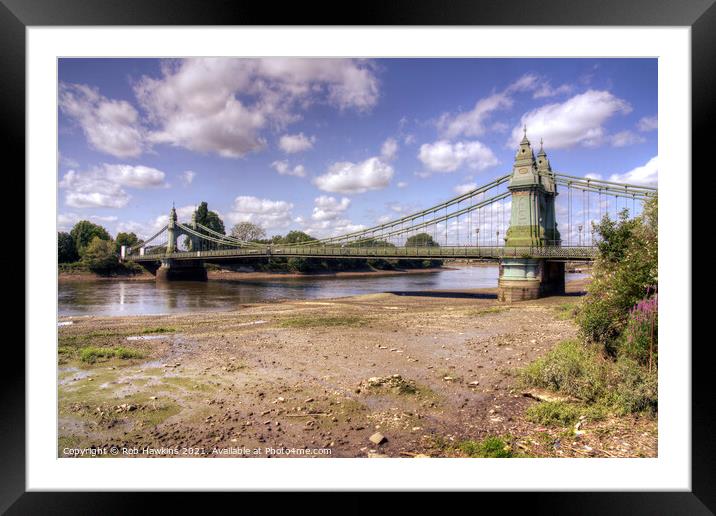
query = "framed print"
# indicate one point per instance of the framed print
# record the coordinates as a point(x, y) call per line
point(420, 252)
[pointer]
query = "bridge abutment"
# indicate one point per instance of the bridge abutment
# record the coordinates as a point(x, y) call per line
point(522, 279)
point(181, 270)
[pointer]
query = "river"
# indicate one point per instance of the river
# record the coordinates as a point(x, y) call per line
point(148, 298)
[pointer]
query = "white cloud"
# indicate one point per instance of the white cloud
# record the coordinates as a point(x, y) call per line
point(577, 121)
point(110, 126)
point(222, 105)
point(187, 177)
point(646, 174)
point(147, 229)
point(473, 122)
point(625, 138)
point(346, 177)
point(546, 90)
point(464, 188)
point(65, 221)
point(293, 143)
point(329, 208)
point(283, 168)
point(267, 213)
point(389, 149)
point(443, 156)
point(402, 184)
point(103, 186)
point(648, 123)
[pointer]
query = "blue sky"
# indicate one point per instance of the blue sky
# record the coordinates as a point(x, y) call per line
point(329, 146)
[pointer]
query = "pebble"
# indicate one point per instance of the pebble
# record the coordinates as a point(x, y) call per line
point(377, 438)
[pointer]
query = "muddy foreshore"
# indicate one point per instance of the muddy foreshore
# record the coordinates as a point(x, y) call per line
point(319, 378)
point(72, 277)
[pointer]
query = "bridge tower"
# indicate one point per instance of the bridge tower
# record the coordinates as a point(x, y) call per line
point(172, 269)
point(533, 223)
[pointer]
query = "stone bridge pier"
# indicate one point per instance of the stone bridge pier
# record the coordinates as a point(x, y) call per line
point(533, 223)
point(181, 270)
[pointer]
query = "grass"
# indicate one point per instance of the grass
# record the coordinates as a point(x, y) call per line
point(160, 329)
point(322, 321)
point(487, 311)
point(490, 447)
point(562, 413)
point(567, 311)
point(91, 354)
point(600, 383)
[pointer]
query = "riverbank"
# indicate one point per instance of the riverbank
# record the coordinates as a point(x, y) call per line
point(430, 371)
point(225, 274)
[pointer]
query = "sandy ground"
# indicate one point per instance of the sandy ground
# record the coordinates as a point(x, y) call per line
point(318, 378)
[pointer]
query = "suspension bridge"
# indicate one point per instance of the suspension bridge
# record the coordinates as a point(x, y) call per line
point(512, 219)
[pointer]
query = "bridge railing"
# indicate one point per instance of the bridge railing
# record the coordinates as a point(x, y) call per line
point(426, 252)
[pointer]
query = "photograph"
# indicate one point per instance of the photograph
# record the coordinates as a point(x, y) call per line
point(357, 257)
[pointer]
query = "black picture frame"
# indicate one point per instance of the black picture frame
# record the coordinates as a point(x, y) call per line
point(699, 15)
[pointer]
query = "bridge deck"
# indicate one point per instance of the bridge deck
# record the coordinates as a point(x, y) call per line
point(553, 252)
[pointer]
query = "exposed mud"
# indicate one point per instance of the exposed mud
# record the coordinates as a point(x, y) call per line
point(424, 370)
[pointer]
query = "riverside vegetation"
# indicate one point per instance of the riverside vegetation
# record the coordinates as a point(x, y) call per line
point(89, 247)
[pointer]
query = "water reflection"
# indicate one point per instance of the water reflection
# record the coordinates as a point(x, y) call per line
point(147, 297)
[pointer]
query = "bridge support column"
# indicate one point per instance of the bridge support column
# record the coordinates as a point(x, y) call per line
point(181, 270)
point(522, 279)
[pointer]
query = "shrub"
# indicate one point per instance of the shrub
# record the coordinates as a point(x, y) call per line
point(91, 354)
point(553, 413)
point(635, 388)
point(572, 368)
point(640, 339)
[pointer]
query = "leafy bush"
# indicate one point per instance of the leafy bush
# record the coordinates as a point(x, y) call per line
point(572, 368)
point(553, 413)
point(626, 269)
point(640, 339)
point(635, 388)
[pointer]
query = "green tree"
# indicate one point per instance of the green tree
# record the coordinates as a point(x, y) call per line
point(248, 231)
point(66, 252)
point(421, 240)
point(84, 232)
point(295, 237)
point(128, 239)
point(100, 256)
point(624, 273)
point(210, 219)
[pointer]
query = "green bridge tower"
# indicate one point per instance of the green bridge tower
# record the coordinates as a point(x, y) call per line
point(533, 223)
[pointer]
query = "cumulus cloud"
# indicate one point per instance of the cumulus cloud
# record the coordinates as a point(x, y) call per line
point(293, 143)
point(187, 177)
point(444, 156)
point(283, 168)
point(546, 90)
point(110, 126)
point(577, 121)
point(402, 184)
point(329, 208)
point(65, 221)
point(646, 174)
point(389, 149)
point(473, 122)
point(222, 105)
point(648, 123)
point(347, 177)
point(103, 186)
point(267, 213)
point(464, 188)
point(625, 138)
point(147, 229)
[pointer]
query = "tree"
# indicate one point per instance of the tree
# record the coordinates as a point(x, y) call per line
point(248, 231)
point(100, 256)
point(84, 232)
point(421, 240)
point(295, 237)
point(210, 219)
point(624, 273)
point(127, 239)
point(66, 252)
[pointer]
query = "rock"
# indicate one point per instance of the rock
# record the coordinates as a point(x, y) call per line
point(377, 438)
point(372, 455)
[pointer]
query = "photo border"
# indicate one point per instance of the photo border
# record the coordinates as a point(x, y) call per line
point(16, 15)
